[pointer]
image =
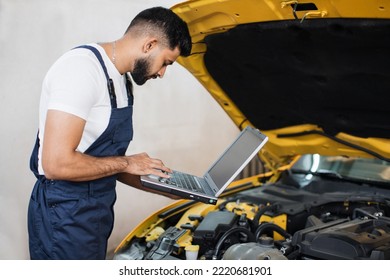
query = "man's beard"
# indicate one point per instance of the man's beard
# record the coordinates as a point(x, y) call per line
point(140, 72)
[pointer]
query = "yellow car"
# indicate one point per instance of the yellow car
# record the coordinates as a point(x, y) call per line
point(314, 76)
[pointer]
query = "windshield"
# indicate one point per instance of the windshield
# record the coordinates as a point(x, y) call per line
point(363, 169)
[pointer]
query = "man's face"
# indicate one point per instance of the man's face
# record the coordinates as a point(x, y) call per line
point(154, 65)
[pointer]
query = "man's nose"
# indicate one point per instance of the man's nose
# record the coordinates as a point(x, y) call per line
point(161, 72)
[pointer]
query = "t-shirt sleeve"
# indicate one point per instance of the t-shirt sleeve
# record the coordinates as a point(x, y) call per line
point(73, 85)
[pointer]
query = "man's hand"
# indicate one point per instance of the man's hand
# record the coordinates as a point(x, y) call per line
point(142, 164)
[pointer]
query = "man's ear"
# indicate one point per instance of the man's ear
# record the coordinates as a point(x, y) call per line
point(149, 45)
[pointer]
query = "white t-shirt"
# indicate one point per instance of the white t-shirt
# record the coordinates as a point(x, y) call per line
point(76, 84)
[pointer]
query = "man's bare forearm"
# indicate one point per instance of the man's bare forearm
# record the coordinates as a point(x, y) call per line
point(130, 180)
point(83, 167)
point(76, 166)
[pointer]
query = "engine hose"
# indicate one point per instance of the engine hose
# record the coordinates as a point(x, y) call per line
point(230, 232)
point(270, 226)
point(261, 212)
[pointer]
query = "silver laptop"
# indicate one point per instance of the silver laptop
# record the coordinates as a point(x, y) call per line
point(221, 173)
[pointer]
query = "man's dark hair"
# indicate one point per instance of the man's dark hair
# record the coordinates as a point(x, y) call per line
point(162, 20)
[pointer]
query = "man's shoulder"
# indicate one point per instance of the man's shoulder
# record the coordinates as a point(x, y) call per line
point(76, 61)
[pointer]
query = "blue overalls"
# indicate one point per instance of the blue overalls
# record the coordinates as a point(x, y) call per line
point(73, 220)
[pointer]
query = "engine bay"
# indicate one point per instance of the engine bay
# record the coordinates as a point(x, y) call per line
point(325, 219)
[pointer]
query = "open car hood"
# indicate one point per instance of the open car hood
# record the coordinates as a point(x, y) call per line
point(313, 76)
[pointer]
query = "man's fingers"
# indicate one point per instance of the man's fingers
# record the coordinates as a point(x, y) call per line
point(142, 164)
point(158, 164)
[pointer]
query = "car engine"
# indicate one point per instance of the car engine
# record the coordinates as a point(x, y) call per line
point(323, 220)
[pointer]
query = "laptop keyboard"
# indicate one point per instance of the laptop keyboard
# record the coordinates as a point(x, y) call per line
point(183, 180)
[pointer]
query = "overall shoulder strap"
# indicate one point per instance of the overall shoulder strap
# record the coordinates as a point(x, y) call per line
point(110, 83)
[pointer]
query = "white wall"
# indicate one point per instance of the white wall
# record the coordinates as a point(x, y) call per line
point(175, 119)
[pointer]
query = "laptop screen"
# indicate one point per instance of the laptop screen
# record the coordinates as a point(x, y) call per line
point(236, 157)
